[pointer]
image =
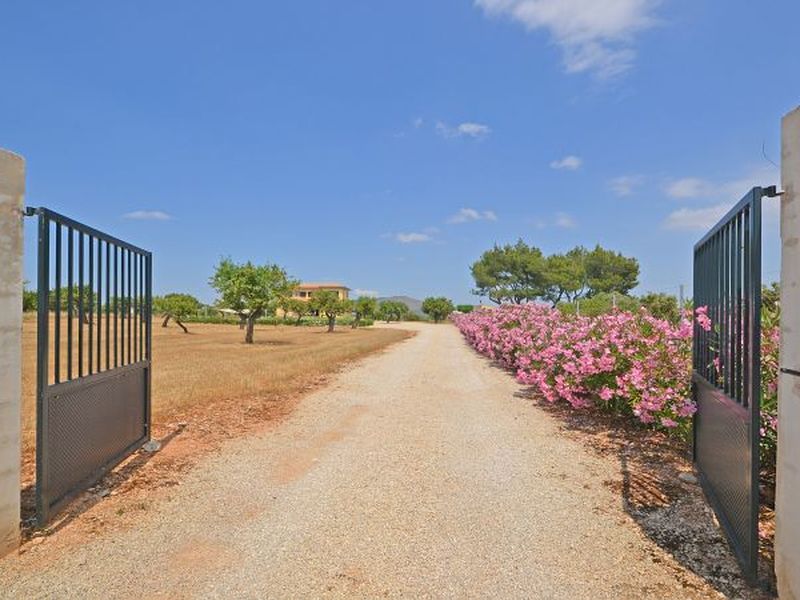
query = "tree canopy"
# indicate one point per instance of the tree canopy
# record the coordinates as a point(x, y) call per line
point(392, 310)
point(364, 307)
point(251, 289)
point(521, 273)
point(328, 303)
point(176, 307)
point(437, 308)
point(511, 273)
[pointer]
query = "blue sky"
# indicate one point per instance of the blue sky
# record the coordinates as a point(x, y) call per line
point(387, 144)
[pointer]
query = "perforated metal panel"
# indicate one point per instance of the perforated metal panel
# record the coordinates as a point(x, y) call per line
point(94, 332)
point(93, 423)
point(726, 380)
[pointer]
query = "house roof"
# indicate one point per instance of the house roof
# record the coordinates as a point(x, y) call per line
point(321, 285)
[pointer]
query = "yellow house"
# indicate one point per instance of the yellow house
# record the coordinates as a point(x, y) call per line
point(305, 291)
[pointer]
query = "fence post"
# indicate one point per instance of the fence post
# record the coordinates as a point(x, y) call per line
point(787, 501)
point(12, 189)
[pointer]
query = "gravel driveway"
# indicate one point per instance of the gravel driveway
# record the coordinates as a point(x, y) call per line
point(415, 473)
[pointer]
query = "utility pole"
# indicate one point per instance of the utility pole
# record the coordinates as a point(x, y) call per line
point(680, 298)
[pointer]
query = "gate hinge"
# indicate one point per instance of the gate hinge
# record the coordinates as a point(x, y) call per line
point(30, 211)
point(772, 192)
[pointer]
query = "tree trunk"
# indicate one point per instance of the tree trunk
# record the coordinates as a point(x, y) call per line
point(356, 322)
point(331, 323)
point(251, 325)
point(181, 325)
point(166, 320)
point(242, 320)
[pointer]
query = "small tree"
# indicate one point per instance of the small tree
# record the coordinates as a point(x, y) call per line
point(176, 307)
point(437, 308)
point(250, 289)
point(328, 303)
point(662, 306)
point(364, 308)
point(392, 309)
point(465, 308)
point(30, 299)
point(299, 308)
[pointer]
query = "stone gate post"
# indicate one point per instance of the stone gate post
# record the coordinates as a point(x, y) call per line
point(12, 189)
point(787, 501)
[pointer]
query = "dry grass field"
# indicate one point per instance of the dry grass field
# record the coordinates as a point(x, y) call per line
point(212, 369)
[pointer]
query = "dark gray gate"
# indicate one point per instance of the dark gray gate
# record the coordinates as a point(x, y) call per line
point(93, 352)
point(726, 379)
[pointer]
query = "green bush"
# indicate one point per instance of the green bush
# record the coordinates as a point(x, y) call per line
point(465, 308)
point(600, 304)
point(272, 320)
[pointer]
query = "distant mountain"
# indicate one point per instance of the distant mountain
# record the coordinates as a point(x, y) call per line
point(413, 304)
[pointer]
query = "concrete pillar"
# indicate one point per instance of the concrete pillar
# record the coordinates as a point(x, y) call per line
point(787, 501)
point(12, 190)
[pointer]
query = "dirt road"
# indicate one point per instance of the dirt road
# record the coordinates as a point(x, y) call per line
point(416, 473)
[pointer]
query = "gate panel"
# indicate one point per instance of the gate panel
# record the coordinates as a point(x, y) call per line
point(94, 335)
point(726, 378)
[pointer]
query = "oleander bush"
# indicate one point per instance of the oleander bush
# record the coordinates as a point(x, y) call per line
point(625, 362)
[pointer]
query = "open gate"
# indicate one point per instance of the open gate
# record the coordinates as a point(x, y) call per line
point(93, 356)
point(726, 377)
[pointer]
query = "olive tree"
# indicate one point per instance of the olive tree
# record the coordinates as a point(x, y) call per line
point(299, 308)
point(437, 308)
point(364, 308)
point(176, 307)
point(389, 310)
point(251, 290)
point(328, 303)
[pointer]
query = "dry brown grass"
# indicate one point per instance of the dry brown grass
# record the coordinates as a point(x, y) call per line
point(212, 365)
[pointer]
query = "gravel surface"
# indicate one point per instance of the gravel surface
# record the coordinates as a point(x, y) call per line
point(415, 473)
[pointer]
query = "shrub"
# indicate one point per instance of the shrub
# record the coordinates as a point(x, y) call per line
point(625, 362)
point(630, 363)
point(437, 308)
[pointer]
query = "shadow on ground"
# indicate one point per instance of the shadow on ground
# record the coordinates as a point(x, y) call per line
point(84, 500)
point(671, 512)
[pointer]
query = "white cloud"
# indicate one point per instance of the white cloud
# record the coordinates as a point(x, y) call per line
point(594, 36)
point(726, 194)
point(696, 219)
point(466, 215)
point(147, 215)
point(417, 122)
point(625, 184)
point(690, 187)
point(733, 190)
point(413, 237)
point(565, 221)
point(367, 293)
point(561, 219)
point(473, 130)
point(570, 163)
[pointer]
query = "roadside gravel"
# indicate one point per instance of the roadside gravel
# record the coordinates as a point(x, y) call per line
point(415, 473)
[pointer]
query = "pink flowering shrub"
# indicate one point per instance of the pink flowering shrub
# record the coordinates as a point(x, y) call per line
point(625, 362)
point(770, 346)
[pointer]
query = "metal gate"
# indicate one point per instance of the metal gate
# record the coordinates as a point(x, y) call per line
point(726, 378)
point(93, 356)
